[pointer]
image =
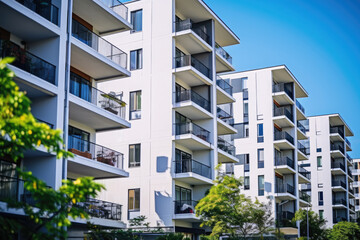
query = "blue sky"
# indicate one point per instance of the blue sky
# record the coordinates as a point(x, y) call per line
point(318, 40)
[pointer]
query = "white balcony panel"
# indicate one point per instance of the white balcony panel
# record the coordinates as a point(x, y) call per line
point(192, 110)
point(193, 178)
point(224, 157)
point(223, 97)
point(191, 76)
point(225, 128)
point(222, 65)
point(282, 98)
point(192, 142)
point(190, 41)
point(283, 122)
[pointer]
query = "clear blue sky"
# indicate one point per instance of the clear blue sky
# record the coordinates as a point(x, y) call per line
point(318, 40)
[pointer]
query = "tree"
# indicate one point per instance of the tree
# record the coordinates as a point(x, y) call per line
point(20, 131)
point(225, 209)
point(316, 224)
point(139, 222)
point(263, 218)
point(344, 231)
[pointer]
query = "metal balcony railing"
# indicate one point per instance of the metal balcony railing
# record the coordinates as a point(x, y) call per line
point(188, 60)
point(95, 152)
point(351, 190)
point(118, 7)
point(348, 142)
point(282, 161)
point(349, 158)
point(338, 129)
point(108, 101)
point(220, 113)
point(336, 147)
point(284, 87)
point(303, 149)
point(284, 111)
point(101, 209)
point(283, 136)
point(197, 28)
point(223, 53)
point(190, 165)
point(338, 183)
point(226, 146)
point(44, 8)
point(301, 127)
point(304, 196)
point(225, 86)
point(338, 165)
point(189, 95)
point(28, 61)
point(192, 128)
point(284, 188)
point(339, 201)
point(350, 173)
point(99, 44)
point(304, 172)
point(283, 219)
point(339, 219)
point(301, 107)
point(184, 206)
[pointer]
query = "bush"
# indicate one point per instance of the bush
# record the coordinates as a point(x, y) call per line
point(171, 236)
point(345, 231)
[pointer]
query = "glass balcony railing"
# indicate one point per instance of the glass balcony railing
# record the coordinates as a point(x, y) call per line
point(338, 183)
point(302, 109)
point(226, 146)
point(185, 206)
point(284, 188)
point(283, 136)
point(189, 95)
point(220, 113)
point(190, 165)
point(340, 201)
point(303, 149)
point(304, 172)
point(95, 152)
point(28, 61)
point(284, 219)
point(304, 196)
point(339, 219)
point(199, 29)
point(338, 129)
point(44, 8)
point(348, 142)
point(225, 86)
point(338, 165)
point(284, 161)
point(118, 7)
point(223, 53)
point(337, 147)
point(284, 111)
point(99, 44)
point(192, 128)
point(108, 101)
point(189, 60)
point(101, 209)
point(284, 87)
point(301, 127)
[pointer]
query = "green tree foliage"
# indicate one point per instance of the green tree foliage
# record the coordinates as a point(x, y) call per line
point(171, 236)
point(262, 217)
point(100, 234)
point(344, 231)
point(49, 211)
point(316, 224)
point(139, 222)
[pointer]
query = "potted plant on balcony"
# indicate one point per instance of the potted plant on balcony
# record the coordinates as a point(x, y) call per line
point(111, 103)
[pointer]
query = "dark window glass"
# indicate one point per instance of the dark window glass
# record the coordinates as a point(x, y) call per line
point(261, 185)
point(260, 133)
point(321, 198)
point(318, 150)
point(261, 158)
point(134, 155)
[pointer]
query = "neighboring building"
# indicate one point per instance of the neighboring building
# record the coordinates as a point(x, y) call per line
point(332, 195)
point(175, 141)
point(356, 185)
point(60, 58)
point(270, 140)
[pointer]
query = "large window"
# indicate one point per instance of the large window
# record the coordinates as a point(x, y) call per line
point(136, 59)
point(133, 203)
point(261, 185)
point(80, 87)
point(261, 158)
point(135, 105)
point(260, 138)
point(136, 20)
point(321, 198)
point(134, 155)
point(79, 139)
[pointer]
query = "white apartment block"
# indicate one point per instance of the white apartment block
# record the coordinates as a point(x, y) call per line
point(271, 140)
point(356, 185)
point(61, 56)
point(178, 111)
point(332, 195)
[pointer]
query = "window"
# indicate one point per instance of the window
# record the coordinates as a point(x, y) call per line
point(261, 158)
point(356, 190)
point(247, 163)
point(318, 150)
point(321, 198)
point(79, 139)
point(135, 105)
point(321, 214)
point(80, 87)
point(320, 185)
point(356, 178)
point(247, 183)
point(134, 155)
point(136, 58)
point(357, 202)
point(319, 161)
point(260, 133)
point(261, 185)
point(246, 112)
point(136, 20)
point(133, 203)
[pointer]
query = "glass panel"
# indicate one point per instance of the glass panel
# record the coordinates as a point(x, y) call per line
point(136, 20)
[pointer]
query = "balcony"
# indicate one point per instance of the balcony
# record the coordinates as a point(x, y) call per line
point(283, 116)
point(339, 219)
point(337, 130)
point(192, 172)
point(28, 62)
point(304, 175)
point(301, 131)
point(283, 140)
point(45, 9)
point(101, 209)
point(192, 37)
point(337, 150)
point(338, 185)
point(285, 191)
point(349, 159)
point(185, 210)
point(95, 56)
point(192, 71)
point(192, 136)
point(96, 109)
point(94, 160)
point(284, 218)
point(223, 92)
point(341, 202)
point(223, 60)
point(193, 105)
point(348, 144)
point(283, 93)
point(284, 165)
point(226, 152)
point(224, 122)
point(303, 152)
point(300, 111)
point(350, 176)
point(337, 168)
point(106, 16)
point(305, 199)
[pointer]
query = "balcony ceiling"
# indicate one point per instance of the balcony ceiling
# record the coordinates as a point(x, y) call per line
point(337, 120)
point(283, 74)
point(198, 11)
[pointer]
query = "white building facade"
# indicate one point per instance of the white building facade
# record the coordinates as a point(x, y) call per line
point(178, 111)
point(356, 185)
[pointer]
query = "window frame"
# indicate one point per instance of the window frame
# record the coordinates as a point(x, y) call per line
point(130, 105)
point(137, 164)
point(317, 161)
point(260, 138)
point(132, 22)
point(261, 191)
point(137, 51)
point(261, 164)
point(133, 210)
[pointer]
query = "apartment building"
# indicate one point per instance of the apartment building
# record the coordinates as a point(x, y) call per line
point(356, 185)
point(332, 194)
point(271, 140)
point(61, 56)
point(178, 111)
